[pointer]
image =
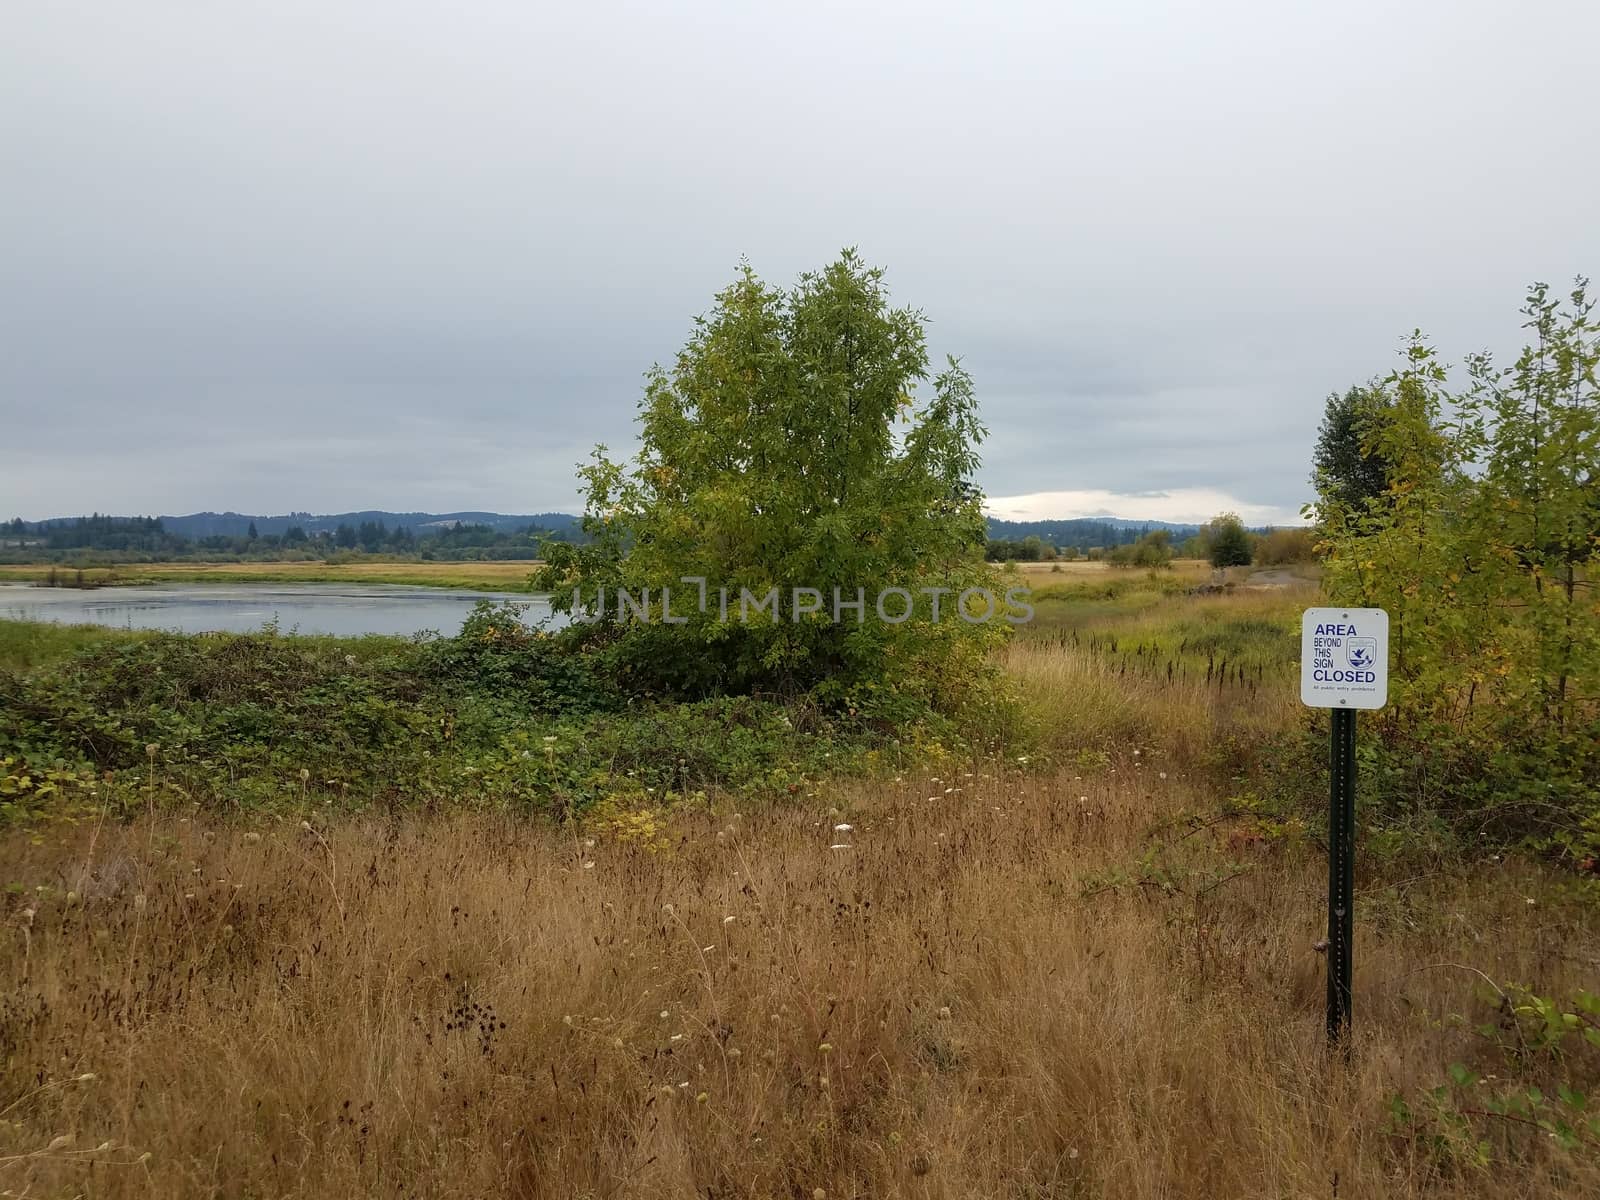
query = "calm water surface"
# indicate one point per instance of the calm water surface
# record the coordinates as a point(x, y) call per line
point(347, 610)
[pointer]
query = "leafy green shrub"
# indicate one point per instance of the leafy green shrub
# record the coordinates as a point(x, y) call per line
point(1485, 551)
point(1540, 1066)
point(501, 715)
point(496, 654)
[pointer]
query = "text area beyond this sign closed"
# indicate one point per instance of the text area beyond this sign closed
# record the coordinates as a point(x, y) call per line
point(1344, 658)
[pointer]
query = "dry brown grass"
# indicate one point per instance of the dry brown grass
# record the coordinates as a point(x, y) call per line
point(1089, 699)
point(1188, 569)
point(953, 1007)
point(1010, 984)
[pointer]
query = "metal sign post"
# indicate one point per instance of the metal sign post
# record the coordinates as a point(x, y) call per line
point(1344, 666)
point(1341, 868)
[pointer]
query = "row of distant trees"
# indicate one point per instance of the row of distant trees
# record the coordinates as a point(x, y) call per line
point(1223, 541)
point(147, 537)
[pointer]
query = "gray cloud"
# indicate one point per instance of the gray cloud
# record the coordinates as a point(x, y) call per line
point(334, 255)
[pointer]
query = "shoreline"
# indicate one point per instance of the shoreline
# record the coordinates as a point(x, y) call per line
point(499, 575)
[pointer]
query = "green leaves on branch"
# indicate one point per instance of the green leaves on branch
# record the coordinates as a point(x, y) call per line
point(1542, 1065)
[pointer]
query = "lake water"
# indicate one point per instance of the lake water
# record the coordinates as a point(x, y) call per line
point(347, 610)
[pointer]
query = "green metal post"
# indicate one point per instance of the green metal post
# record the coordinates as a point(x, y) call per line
point(1341, 870)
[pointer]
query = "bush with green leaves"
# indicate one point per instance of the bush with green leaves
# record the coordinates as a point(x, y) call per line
point(1227, 542)
point(500, 715)
point(1153, 549)
point(1485, 551)
point(1538, 1065)
point(787, 448)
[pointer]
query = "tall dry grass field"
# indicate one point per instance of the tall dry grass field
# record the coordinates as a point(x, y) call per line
point(964, 1002)
point(1096, 978)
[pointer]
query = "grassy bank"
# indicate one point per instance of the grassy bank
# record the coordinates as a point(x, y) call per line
point(30, 645)
point(486, 576)
point(497, 717)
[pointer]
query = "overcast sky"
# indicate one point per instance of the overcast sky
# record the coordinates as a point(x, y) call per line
point(313, 254)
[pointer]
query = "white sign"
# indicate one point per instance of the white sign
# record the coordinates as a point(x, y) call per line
point(1344, 658)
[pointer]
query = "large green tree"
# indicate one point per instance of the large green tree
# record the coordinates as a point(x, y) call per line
point(788, 447)
point(1227, 541)
point(1348, 466)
